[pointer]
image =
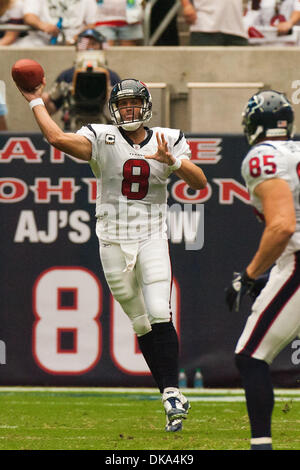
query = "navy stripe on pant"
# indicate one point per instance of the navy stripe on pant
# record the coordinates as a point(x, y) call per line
point(274, 308)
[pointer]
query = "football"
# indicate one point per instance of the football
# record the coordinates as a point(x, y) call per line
point(27, 74)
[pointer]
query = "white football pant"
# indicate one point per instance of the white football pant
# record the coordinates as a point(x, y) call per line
point(139, 278)
point(275, 318)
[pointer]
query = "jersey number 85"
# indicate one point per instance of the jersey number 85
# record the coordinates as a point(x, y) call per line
point(265, 165)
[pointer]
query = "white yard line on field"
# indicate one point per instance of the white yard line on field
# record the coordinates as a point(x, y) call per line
point(203, 394)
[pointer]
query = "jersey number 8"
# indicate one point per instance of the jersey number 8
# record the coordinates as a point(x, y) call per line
point(135, 182)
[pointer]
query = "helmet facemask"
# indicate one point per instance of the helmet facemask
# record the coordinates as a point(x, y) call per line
point(137, 113)
point(129, 117)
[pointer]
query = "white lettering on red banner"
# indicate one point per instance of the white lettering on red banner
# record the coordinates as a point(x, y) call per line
point(65, 190)
point(12, 190)
point(182, 225)
point(20, 148)
point(229, 188)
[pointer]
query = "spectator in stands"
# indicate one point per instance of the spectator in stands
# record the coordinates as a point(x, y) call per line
point(60, 91)
point(268, 12)
point(49, 18)
point(11, 11)
point(120, 21)
point(261, 14)
point(292, 19)
point(215, 22)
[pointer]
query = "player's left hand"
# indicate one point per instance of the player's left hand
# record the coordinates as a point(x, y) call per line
point(240, 285)
point(162, 155)
point(258, 286)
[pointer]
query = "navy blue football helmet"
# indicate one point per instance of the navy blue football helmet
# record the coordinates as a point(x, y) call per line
point(130, 88)
point(267, 114)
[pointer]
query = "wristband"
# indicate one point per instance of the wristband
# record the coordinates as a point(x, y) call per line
point(176, 165)
point(35, 102)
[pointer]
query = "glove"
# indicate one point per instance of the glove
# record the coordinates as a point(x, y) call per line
point(258, 286)
point(243, 284)
point(240, 285)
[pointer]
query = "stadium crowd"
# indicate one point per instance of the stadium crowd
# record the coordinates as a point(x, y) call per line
point(120, 22)
point(52, 22)
point(273, 22)
point(210, 22)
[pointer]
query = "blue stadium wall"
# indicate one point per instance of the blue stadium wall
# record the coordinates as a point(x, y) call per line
point(59, 324)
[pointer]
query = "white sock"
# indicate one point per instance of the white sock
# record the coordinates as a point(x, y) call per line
point(261, 440)
point(170, 389)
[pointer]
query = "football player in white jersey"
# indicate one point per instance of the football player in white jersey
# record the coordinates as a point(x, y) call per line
point(271, 171)
point(132, 164)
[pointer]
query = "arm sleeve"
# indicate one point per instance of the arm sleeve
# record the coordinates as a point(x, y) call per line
point(263, 163)
point(297, 5)
point(16, 13)
point(181, 148)
point(90, 133)
point(32, 6)
point(91, 11)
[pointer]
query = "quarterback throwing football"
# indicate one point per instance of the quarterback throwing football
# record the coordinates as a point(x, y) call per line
point(271, 171)
point(132, 164)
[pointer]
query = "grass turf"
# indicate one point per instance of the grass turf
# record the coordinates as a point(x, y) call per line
point(85, 420)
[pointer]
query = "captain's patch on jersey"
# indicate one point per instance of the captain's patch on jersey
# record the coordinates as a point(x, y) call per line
point(110, 139)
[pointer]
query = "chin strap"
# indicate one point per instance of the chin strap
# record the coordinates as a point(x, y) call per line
point(131, 126)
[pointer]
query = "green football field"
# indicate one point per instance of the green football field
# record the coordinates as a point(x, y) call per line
point(133, 419)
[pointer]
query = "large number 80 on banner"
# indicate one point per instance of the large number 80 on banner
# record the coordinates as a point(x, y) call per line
point(67, 302)
point(67, 333)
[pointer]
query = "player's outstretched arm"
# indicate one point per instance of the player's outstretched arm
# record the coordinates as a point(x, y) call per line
point(72, 144)
point(190, 173)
